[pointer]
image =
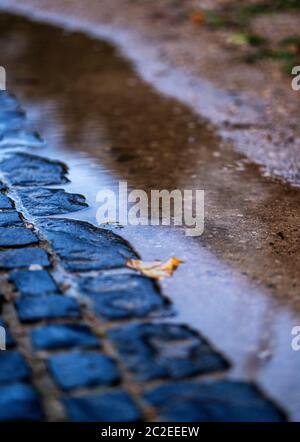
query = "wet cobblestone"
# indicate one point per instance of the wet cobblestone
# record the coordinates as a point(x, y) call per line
point(11, 119)
point(123, 296)
point(153, 351)
point(18, 138)
point(13, 367)
point(63, 336)
point(8, 101)
point(47, 307)
point(11, 259)
point(10, 219)
point(222, 401)
point(19, 402)
point(44, 202)
point(83, 369)
point(107, 407)
point(5, 202)
point(2, 186)
point(22, 169)
point(17, 236)
point(34, 283)
point(82, 247)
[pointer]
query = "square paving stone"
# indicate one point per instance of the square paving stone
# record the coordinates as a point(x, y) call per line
point(58, 336)
point(9, 340)
point(11, 119)
point(9, 219)
point(21, 137)
point(23, 169)
point(5, 202)
point(81, 246)
point(34, 282)
point(17, 236)
point(106, 407)
point(19, 402)
point(82, 369)
point(122, 296)
point(47, 307)
point(221, 401)
point(153, 351)
point(12, 367)
point(40, 201)
point(11, 259)
point(8, 101)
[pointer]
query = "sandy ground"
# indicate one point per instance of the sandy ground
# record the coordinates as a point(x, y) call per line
point(271, 139)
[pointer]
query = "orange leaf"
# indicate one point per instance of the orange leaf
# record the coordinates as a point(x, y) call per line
point(198, 18)
point(157, 269)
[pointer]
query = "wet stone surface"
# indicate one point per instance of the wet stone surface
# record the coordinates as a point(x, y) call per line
point(11, 119)
point(12, 367)
point(82, 247)
point(47, 307)
point(2, 186)
point(83, 369)
point(34, 283)
point(19, 402)
point(8, 101)
point(11, 259)
point(106, 407)
point(153, 351)
point(17, 236)
point(44, 202)
point(5, 202)
point(9, 219)
point(213, 402)
point(18, 138)
point(122, 296)
point(23, 169)
point(60, 336)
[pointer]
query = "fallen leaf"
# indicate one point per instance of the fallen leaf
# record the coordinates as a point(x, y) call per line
point(157, 269)
point(198, 18)
point(292, 49)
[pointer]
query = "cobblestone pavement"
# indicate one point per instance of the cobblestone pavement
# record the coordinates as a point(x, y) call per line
point(88, 339)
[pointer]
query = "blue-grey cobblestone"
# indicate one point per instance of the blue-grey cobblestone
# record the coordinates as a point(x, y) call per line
point(122, 296)
point(19, 402)
point(214, 401)
point(11, 259)
point(34, 282)
point(12, 367)
point(104, 407)
point(153, 351)
point(47, 307)
point(63, 336)
point(83, 369)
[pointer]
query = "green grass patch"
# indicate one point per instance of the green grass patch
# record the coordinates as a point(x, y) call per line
point(240, 16)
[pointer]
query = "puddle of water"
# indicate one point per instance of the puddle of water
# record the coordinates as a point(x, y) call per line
point(239, 281)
